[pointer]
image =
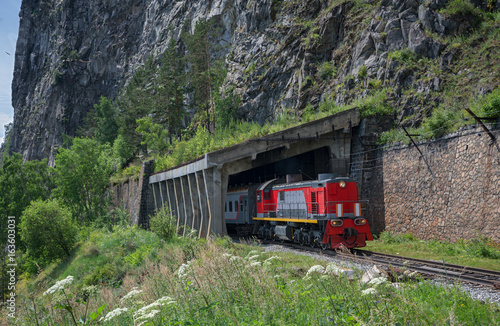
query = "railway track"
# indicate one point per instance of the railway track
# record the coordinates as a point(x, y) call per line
point(426, 268)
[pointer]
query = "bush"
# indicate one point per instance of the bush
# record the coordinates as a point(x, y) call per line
point(404, 56)
point(326, 70)
point(48, 230)
point(439, 123)
point(490, 104)
point(163, 223)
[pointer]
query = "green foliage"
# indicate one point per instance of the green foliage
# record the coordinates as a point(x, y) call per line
point(82, 178)
point(107, 127)
point(362, 72)
point(122, 151)
point(404, 56)
point(462, 8)
point(440, 122)
point(154, 135)
point(374, 105)
point(20, 183)
point(48, 230)
point(163, 224)
point(57, 77)
point(489, 105)
point(389, 237)
point(326, 70)
point(375, 84)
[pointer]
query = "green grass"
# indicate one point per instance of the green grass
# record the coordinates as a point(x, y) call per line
point(194, 282)
point(481, 252)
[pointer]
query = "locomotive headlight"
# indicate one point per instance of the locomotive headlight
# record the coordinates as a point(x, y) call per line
point(336, 222)
point(342, 184)
point(360, 221)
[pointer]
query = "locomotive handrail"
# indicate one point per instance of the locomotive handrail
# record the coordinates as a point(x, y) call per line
point(305, 210)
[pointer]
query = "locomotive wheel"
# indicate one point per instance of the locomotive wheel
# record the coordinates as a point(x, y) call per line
point(325, 246)
point(301, 240)
point(312, 242)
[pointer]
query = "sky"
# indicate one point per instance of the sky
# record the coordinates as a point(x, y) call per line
point(9, 25)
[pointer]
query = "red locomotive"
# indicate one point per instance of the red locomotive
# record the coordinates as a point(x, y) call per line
point(324, 212)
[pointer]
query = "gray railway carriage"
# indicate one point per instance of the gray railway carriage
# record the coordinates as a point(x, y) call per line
point(240, 209)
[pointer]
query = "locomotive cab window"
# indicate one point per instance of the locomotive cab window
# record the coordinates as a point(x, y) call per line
point(267, 194)
point(282, 195)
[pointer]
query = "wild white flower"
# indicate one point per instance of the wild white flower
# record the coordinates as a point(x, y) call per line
point(268, 260)
point(252, 253)
point(315, 269)
point(59, 285)
point(235, 258)
point(228, 255)
point(184, 269)
point(149, 315)
point(256, 263)
point(368, 291)
point(253, 257)
point(112, 314)
point(132, 293)
point(158, 303)
point(378, 281)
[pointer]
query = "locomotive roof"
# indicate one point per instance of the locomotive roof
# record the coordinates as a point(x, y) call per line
point(311, 183)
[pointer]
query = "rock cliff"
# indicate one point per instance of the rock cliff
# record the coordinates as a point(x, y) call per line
point(71, 52)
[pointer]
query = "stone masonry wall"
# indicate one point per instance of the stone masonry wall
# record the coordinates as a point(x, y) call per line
point(459, 199)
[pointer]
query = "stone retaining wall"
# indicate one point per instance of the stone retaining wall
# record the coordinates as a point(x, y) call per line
point(460, 198)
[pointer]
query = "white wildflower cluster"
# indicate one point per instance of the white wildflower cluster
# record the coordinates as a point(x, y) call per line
point(255, 263)
point(316, 269)
point(252, 253)
point(184, 269)
point(377, 281)
point(132, 293)
point(60, 285)
point(268, 261)
point(144, 314)
point(112, 314)
point(251, 258)
point(369, 291)
point(147, 316)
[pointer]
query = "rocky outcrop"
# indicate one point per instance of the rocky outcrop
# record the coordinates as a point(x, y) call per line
point(71, 52)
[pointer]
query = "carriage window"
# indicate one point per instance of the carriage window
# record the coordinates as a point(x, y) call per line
point(282, 195)
point(230, 206)
point(267, 194)
point(235, 206)
point(241, 207)
point(225, 208)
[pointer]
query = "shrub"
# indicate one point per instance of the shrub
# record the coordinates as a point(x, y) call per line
point(163, 223)
point(48, 230)
point(490, 104)
point(439, 123)
point(404, 56)
point(326, 70)
point(362, 72)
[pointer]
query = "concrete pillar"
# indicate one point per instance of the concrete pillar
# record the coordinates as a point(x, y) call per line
point(208, 180)
point(179, 202)
point(167, 194)
point(162, 199)
point(202, 196)
point(188, 217)
point(219, 186)
point(193, 190)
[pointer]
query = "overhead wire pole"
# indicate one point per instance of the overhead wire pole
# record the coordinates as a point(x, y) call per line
point(418, 149)
point(479, 120)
